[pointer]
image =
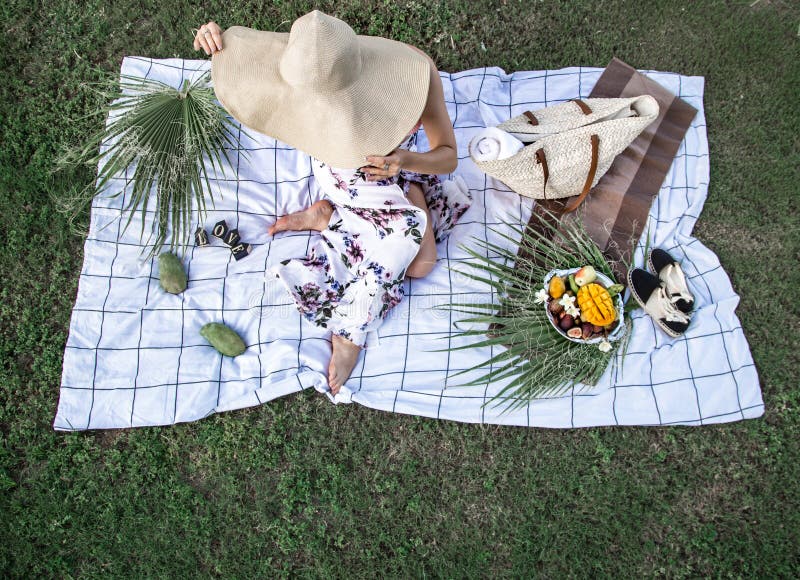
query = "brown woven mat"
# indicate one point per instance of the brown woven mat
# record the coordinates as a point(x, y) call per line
point(615, 212)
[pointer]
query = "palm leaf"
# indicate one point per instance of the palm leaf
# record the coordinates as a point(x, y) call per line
point(535, 361)
point(177, 140)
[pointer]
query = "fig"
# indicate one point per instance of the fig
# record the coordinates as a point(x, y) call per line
point(597, 329)
point(566, 322)
point(584, 276)
point(586, 330)
point(555, 307)
point(557, 287)
point(574, 333)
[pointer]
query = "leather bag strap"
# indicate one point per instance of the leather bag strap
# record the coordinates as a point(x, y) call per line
point(586, 109)
point(542, 160)
point(589, 178)
point(531, 118)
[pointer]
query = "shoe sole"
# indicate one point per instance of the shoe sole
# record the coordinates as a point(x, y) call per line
point(661, 325)
point(650, 262)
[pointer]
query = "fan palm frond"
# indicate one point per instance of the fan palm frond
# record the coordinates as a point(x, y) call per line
point(536, 360)
point(176, 141)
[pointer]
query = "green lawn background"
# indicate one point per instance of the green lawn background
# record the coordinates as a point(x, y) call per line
point(302, 487)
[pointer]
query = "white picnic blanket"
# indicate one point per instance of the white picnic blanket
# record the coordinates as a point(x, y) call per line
point(134, 356)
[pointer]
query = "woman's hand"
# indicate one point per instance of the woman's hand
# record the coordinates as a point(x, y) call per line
point(383, 167)
point(209, 38)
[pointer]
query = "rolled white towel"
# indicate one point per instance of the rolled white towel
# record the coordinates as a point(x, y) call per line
point(493, 143)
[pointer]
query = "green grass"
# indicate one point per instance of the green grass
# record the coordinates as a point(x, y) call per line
point(302, 487)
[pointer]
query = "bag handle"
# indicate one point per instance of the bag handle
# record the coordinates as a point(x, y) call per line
point(585, 109)
point(589, 178)
point(541, 159)
point(531, 118)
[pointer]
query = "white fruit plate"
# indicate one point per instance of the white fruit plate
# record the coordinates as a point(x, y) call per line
point(605, 282)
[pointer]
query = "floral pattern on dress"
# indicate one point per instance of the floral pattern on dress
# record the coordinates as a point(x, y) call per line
point(354, 252)
point(382, 218)
point(315, 262)
point(445, 211)
point(353, 275)
point(317, 304)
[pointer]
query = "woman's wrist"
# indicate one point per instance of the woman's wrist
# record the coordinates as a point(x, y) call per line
point(402, 158)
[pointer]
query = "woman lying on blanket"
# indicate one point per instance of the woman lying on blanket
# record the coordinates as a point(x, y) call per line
point(355, 104)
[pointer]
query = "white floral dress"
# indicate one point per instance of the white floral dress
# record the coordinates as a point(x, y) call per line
point(353, 274)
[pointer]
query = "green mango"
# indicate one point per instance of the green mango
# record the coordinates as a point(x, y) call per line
point(573, 285)
point(223, 338)
point(171, 274)
point(615, 289)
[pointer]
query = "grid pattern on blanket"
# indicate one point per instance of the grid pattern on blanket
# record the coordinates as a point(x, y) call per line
point(134, 356)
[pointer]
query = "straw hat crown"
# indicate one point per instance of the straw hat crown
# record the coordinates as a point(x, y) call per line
point(321, 88)
point(322, 54)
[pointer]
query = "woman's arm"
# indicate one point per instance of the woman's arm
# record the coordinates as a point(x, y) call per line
point(442, 156)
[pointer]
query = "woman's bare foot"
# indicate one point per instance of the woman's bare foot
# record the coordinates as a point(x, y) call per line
point(344, 357)
point(314, 218)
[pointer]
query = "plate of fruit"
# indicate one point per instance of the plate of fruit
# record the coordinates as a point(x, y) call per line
point(584, 305)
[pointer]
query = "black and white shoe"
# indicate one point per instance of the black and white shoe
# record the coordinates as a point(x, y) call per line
point(669, 272)
point(649, 292)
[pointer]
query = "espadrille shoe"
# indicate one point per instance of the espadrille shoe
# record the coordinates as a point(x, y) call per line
point(671, 275)
point(651, 295)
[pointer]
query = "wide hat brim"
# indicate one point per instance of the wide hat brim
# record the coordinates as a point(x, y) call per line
point(369, 116)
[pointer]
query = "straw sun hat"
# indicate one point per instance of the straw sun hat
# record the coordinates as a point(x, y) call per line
point(321, 88)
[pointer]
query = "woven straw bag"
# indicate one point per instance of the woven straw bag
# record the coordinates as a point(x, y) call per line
point(573, 145)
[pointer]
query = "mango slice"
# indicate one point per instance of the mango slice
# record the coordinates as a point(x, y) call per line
point(596, 305)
